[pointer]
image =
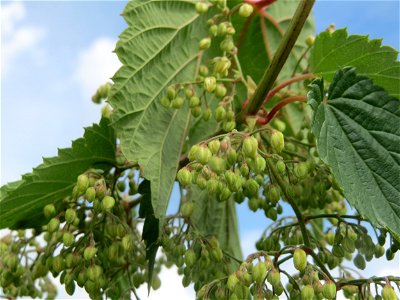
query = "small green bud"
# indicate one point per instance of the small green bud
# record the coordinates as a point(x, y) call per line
point(301, 170)
point(245, 10)
point(379, 251)
point(231, 156)
point(53, 225)
point(229, 126)
point(165, 102)
point(259, 271)
point(232, 282)
point(217, 164)
point(184, 176)
point(359, 262)
point(196, 111)
point(201, 7)
point(203, 155)
point(190, 258)
point(280, 166)
point(221, 66)
point(192, 152)
point(274, 278)
point(194, 101)
point(58, 264)
point(220, 113)
point(225, 194)
point(49, 211)
point(210, 83)
point(310, 40)
point(205, 43)
point(177, 102)
point(68, 239)
point(300, 259)
point(222, 29)
point(348, 245)
point(388, 293)
point(307, 293)
point(70, 215)
point(244, 170)
point(206, 114)
point(227, 45)
point(277, 141)
point(89, 252)
point(82, 184)
point(251, 188)
point(337, 251)
point(273, 193)
point(259, 164)
point(250, 147)
point(212, 186)
point(107, 203)
point(94, 272)
point(203, 70)
point(187, 209)
point(90, 194)
point(214, 146)
point(220, 91)
point(127, 242)
point(171, 92)
point(213, 30)
point(329, 290)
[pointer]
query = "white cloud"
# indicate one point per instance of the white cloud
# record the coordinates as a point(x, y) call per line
point(17, 39)
point(96, 65)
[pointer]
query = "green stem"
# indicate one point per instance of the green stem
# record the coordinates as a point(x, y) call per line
point(281, 55)
point(296, 210)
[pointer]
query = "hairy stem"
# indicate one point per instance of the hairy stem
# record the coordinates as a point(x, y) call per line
point(280, 57)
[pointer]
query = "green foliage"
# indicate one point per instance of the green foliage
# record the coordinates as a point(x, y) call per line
point(22, 202)
point(332, 51)
point(363, 154)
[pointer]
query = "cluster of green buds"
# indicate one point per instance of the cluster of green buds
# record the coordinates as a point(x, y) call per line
point(101, 93)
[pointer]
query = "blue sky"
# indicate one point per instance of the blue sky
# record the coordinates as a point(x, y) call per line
point(55, 54)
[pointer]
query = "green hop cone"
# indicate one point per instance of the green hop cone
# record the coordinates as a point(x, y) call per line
point(192, 152)
point(177, 102)
point(201, 7)
point(107, 203)
point(206, 115)
point(227, 45)
point(231, 156)
point(187, 209)
point(90, 194)
point(274, 278)
point(220, 113)
point(245, 10)
point(89, 252)
point(300, 259)
point(232, 282)
point(277, 141)
point(307, 293)
point(259, 271)
point(127, 242)
point(250, 147)
point(348, 244)
point(329, 290)
point(273, 193)
point(196, 111)
point(301, 170)
point(70, 215)
point(203, 70)
point(210, 83)
point(229, 126)
point(217, 164)
point(93, 272)
point(222, 29)
point(214, 146)
point(82, 184)
point(337, 251)
point(49, 211)
point(68, 239)
point(212, 186)
point(190, 258)
point(184, 176)
point(58, 264)
point(379, 251)
point(388, 293)
point(359, 262)
point(225, 194)
point(221, 66)
point(165, 102)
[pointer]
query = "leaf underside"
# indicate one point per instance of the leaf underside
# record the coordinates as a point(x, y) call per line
point(332, 51)
point(22, 202)
point(358, 135)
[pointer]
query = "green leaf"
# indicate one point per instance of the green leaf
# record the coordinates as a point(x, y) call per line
point(150, 228)
point(332, 51)
point(254, 58)
point(211, 217)
point(22, 202)
point(160, 47)
point(358, 135)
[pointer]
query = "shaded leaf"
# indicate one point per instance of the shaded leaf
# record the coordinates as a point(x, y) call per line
point(358, 135)
point(332, 51)
point(22, 202)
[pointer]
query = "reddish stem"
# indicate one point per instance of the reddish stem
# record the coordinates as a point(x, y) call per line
point(284, 84)
point(277, 107)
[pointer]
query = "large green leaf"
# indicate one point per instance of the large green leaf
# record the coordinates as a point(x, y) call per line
point(252, 51)
point(358, 135)
point(22, 202)
point(159, 47)
point(216, 218)
point(332, 51)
